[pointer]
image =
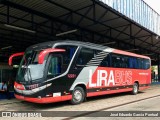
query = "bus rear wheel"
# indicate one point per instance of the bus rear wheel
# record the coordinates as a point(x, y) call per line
point(78, 96)
point(135, 88)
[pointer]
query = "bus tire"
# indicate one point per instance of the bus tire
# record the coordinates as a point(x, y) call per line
point(78, 96)
point(135, 88)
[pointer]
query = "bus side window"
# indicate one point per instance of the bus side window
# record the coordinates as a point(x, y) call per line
point(84, 57)
point(146, 64)
point(117, 63)
point(79, 61)
point(135, 63)
point(55, 66)
point(140, 62)
point(113, 60)
point(124, 62)
point(130, 63)
point(106, 61)
point(68, 54)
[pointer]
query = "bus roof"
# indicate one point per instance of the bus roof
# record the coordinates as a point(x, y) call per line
point(129, 54)
point(83, 44)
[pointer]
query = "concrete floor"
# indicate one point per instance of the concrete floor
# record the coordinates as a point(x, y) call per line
point(101, 103)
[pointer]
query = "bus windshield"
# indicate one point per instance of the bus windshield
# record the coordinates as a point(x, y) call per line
point(29, 68)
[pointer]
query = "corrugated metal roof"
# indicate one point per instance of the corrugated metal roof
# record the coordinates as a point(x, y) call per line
point(64, 15)
point(138, 11)
point(50, 9)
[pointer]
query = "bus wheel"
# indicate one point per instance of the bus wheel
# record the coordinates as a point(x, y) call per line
point(135, 88)
point(78, 96)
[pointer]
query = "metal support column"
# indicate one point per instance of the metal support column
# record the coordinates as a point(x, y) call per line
point(158, 68)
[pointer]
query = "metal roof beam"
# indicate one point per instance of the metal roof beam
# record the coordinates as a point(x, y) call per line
point(157, 49)
point(144, 36)
point(19, 19)
point(122, 26)
point(25, 33)
point(101, 22)
point(94, 11)
point(144, 41)
point(44, 22)
point(115, 27)
point(117, 13)
point(106, 11)
point(38, 38)
point(60, 26)
point(85, 15)
point(156, 42)
point(36, 24)
point(138, 32)
point(139, 37)
point(7, 14)
point(76, 10)
point(20, 7)
point(103, 30)
point(23, 8)
point(124, 29)
point(52, 2)
point(110, 19)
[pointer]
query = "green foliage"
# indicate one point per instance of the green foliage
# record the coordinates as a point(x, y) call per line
point(153, 68)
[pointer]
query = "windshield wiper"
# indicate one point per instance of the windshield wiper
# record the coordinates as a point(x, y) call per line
point(29, 72)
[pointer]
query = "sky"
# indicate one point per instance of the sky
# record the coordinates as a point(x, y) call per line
point(155, 4)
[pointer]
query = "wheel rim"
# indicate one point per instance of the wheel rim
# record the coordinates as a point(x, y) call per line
point(77, 95)
point(135, 88)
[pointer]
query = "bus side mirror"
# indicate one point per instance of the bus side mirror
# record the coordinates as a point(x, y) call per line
point(47, 51)
point(14, 55)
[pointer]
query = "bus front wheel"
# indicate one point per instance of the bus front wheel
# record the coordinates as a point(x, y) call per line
point(135, 88)
point(78, 96)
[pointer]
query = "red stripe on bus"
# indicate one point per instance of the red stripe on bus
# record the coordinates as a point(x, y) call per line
point(129, 53)
point(108, 92)
point(45, 99)
point(47, 51)
point(113, 91)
